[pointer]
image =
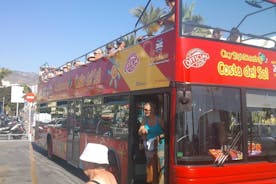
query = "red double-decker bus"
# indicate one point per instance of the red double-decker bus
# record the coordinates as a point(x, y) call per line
point(210, 70)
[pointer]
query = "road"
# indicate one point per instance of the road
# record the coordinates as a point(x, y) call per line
point(23, 163)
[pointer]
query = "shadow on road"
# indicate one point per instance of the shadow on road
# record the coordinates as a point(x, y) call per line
point(71, 169)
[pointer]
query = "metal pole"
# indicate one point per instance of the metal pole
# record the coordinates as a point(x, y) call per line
point(142, 14)
point(253, 13)
point(29, 131)
point(17, 106)
point(3, 105)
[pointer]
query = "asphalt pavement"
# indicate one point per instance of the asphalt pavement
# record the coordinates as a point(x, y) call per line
point(22, 162)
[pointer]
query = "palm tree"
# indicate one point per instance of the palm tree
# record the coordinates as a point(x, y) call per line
point(153, 14)
point(150, 15)
point(129, 39)
point(26, 89)
point(188, 14)
point(3, 73)
point(192, 20)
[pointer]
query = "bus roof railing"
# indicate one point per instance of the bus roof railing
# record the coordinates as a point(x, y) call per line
point(248, 39)
point(131, 38)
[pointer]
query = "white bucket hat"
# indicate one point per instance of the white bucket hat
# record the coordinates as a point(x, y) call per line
point(95, 153)
point(90, 55)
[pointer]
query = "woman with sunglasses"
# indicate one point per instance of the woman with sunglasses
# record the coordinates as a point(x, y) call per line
point(151, 130)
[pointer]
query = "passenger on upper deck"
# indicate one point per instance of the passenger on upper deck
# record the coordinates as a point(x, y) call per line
point(47, 73)
point(77, 64)
point(58, 71)
point(216, 34)
point(235, 35)
point(51, 72)
point(43, 73)
point(112, 50)
point(65, 68)
point(121, 44)
point(90, 57)
point(98, 54)
point(169, 21)
point(69, 65)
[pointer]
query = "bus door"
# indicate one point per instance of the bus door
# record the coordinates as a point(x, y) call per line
point(138, 166)
point(73, 139)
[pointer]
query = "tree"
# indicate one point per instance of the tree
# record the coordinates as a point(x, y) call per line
point(192, 20)
point(150, 15)
point(10, 108)
point(153, 14)
point(188, 14)
point(3, 73)
point(129, 39)
point(26, 89)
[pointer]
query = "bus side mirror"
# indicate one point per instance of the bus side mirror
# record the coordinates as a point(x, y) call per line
point(185, 98)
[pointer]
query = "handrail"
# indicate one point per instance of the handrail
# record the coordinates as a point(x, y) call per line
point(250, 36)
point(253, 13)
point(146, 7)
point(133, 32)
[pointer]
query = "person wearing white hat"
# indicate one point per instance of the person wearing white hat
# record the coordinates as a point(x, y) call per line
point(95, 164)
point(91, 57)
point(98, 54)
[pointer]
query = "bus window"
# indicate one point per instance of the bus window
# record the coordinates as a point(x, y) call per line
point(200, 22)
point(90, 112)
point(57, 112)
point(74, 112)
point(114, 117)
point(109, 118)
point(207, 122)
point(261, 108)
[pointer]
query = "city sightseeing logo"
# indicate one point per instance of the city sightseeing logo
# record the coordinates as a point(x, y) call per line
point(132, 63)
point(195, 58)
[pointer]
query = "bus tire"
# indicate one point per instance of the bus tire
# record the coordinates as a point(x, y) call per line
point(49, 147)
point(114, 165)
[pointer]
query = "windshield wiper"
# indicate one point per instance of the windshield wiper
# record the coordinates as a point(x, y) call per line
point(220, 160)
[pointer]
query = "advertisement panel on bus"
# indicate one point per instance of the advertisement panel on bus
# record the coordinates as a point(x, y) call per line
point(143, 66)
point(226, 64)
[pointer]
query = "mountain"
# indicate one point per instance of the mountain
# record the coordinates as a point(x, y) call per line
point(18, 77)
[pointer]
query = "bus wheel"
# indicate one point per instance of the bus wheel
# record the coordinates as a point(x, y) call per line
point(114, 165)
point(49, 148)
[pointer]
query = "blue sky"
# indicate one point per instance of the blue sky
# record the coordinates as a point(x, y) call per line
point(34, 32)
point(56, 31)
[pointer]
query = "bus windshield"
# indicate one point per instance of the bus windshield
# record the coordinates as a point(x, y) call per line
point(254, 23)
point(207, 121)
point(210, 122)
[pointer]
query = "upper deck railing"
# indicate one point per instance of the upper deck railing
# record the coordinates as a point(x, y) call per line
point(140, 34)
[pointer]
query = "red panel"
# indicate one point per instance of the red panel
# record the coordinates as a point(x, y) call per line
point(59, 136)
point(146, 65)
point(211, 62)
point(259, 173)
